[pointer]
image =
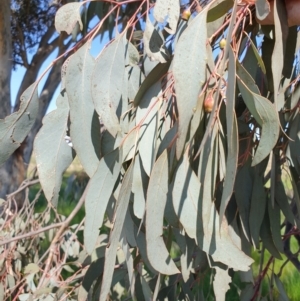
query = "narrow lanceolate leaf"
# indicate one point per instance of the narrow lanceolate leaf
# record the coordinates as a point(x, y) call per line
point(189, 70)
point(257, 208)
point(263, 111)
point(107, 83)
point(186, 193)
point(53, 154)
point(111, 250)
point(67, 17)
point(154, 44)
point(158, 254)
point(147, 124)
point(85, 125)
point(281, 34)
point(15, 127)
point(170, 9)
point(99, 192)
point(232, 135)
point(139, 186)
point(212, 237)
point(221, 283)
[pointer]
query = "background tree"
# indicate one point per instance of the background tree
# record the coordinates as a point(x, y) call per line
point(188, 136)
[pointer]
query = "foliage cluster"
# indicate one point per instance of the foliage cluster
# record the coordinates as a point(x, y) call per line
point(184, 140)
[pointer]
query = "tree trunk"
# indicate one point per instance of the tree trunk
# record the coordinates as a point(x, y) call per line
point(5, 58)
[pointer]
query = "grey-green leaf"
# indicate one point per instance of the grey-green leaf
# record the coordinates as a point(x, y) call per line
point(232, 136)
point(100, 189)
point(263, 111)
point(111, 250)
point(154, 44)
point(156, 201)
point(15, 127)
point(53, 154)
point(67, 17)
point(108, 83)
point(221, 283)
point(170, 9)
point(85, 125)
point(189, 70)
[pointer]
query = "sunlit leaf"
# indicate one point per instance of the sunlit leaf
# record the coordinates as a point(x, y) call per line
point(15, 127)
point(154, 44)
point(263, 111)
point(189, 70)
point(155, 206)
point(221, 283)
point(108, 83)
point(67, 17)
point(85, 125)
point(139, 186)
point(100, 189)
point(111, 250)
point(147, 124)
point(53, 154)
point(167, 9)
point(232, 136)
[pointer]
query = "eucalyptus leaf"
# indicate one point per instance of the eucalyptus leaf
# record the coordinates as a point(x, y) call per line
point(67, 17)
point(100, 189)
point(85, 125)
point(155, 206)
point(189, 70)
point(15, 127)
point(107, 88)
point(53, 154)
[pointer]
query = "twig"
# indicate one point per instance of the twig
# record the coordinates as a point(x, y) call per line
point(64, 226)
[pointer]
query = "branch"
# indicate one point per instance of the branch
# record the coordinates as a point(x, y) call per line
point(64, 226)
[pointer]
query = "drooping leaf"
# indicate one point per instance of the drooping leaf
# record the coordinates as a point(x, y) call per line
point(283, 203)
point(266, 236)
point(111, 250)
point(210, 236)
point(156, 73)
point(15, 127)
point(232, 136)
point(139, 186)
point(189, 70)
point(147, 124)
point(135, 79)
point(85, 125)
point(283, 294)
point(243, 195)
point(258, 57)
point(94, 271)
point(132, 55)
point(281, 34)
point(67, 17)
point(156, 201)
point(167, 9)
point(221, 283)
point(53, 154)
point(108, 83)
point(257, 208)
point(263, 111)
point(274, 215)
point(154, 44)
point(99, 191)
point(186, 191)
